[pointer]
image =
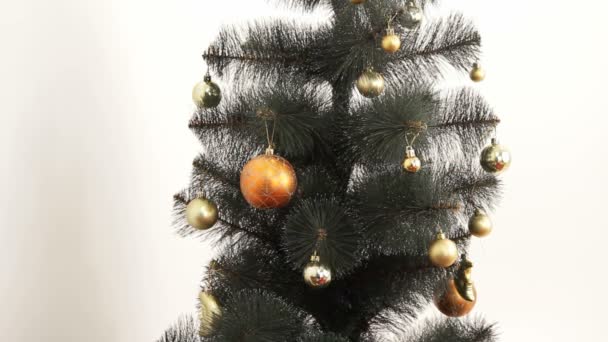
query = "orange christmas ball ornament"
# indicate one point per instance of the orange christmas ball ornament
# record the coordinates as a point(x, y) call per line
point(268, 181)
point(452, 304)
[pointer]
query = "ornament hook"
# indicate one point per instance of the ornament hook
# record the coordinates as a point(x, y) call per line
point(270, 135)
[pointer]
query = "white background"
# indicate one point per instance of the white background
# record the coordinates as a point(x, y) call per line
point(94, 104)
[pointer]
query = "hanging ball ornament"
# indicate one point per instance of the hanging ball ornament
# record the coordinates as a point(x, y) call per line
point(478, 74)
point(210, 313)
point(206, 94)
point(464, 281)
point(443, 252)
point(412, 15)
point(370, 84)
point(411, 163)
point(391, 42)
point(495, 158)
point(201, 213)
point(357, 2)
point(451, 303)
point(268, 181)
point(316, 275)
point(480, 224)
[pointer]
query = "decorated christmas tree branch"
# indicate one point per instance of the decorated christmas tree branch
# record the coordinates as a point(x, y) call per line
point(459, 120)
point(452, 41)
point(266, 50)
point(224, 227)
point(298, 112)
point(399, 214)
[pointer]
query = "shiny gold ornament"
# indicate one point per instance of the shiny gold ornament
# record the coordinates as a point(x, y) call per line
point(480, 224)
point(478, 74)
point(411, 163)
point(443, 252)
point(464, 281)
point(209, 315)
point(412, 15)
point(201, 213)
point(391, 42)
point(451, 303)
point(357, 2)
point(370, 83)
point(495, 158)
point(316, 274)
point(206, 94)
point(268, 181)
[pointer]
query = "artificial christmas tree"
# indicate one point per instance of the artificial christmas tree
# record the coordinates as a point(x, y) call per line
point(327, 235)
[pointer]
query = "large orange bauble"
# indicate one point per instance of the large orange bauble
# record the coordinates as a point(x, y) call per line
point(451, 303)
point(268, 181)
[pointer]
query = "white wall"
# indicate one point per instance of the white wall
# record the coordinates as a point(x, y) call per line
point(94, 103)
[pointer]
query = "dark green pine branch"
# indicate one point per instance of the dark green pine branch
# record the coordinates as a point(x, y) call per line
point(214, 55)
point(201, 166)
point(230, 121)
point(268, 49)
point(452, 330)
point(462, 124)
point(185, 330)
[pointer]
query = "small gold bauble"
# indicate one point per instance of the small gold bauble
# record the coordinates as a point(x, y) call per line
point(316, 275)
point(480, 224)
point(206, 94)
point(370, 84)
point(411, 163)
point(495, 158)
point(201, 213)
point(451, 303)
point(477, 73)
point(443, 252)
point(209, 315)
point(412, 15)
point(391, 42)
point(268, 181)
point(464, 281)
point(357, 2)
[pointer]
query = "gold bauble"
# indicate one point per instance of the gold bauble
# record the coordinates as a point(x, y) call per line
point(411, 163)
point(443, 252)
point(464, 281)
point(316, 275)
point(268, 181)
point(480, 224)
point(357, 2)
point(478, 74)
point(201, 213)
point(451, 303)
point(206, 94)
point(495, 158)
point(391, 42)
point(209, 315)
point(370, 84)
point(412, 15)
